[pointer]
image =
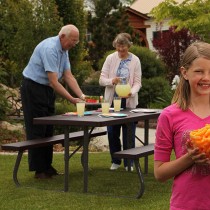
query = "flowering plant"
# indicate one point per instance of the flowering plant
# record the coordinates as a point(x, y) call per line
point(175, 82)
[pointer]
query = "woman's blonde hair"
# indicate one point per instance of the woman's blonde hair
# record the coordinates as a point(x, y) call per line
point(122, 39)
point(182, 94)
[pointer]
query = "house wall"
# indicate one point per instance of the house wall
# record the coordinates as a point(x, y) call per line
point(154, 27)
point(137, 21)
point(144, 7)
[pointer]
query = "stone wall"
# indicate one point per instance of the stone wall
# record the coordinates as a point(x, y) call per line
point(14, 101)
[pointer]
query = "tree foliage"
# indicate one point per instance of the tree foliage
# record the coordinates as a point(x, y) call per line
point(23, 25)
point(73, 12)
point(190, 14)
point(105, 20)
point(171, 45)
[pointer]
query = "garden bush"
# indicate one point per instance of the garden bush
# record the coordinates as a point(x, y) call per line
point(4, 105)
point(155, 93)
point(151, 65)
point(62, 106)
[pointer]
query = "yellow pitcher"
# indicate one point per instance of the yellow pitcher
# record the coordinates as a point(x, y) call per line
point(123, 88)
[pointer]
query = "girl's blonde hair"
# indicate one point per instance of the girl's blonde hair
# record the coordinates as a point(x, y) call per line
point(182, 94)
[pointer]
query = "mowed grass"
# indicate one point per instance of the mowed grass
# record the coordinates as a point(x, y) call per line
point(106, 189)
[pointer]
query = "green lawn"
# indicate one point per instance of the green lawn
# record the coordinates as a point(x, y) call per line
point(105, 187)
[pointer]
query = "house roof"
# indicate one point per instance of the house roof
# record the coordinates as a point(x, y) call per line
point(143, 16)
point(145, 6)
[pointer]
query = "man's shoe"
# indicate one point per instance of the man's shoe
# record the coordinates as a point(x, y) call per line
point(52, 172)
point(42, 175)
point(126, 168)
point(114, 166)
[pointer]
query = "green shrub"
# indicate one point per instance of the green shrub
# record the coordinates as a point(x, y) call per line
point(155, 93)
point(93, 90)
point(91, 86)
point(4, 105)
point(62, 106)
point(8, 136)
point(82, 71)
point(102, 60)
point(151, 65)
point(162, 102)
point(93, 79)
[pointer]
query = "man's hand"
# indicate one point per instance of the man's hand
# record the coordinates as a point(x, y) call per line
point(76, 100)
point(82, 97)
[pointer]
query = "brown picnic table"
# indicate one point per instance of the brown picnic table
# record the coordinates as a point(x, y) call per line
point(92, 121)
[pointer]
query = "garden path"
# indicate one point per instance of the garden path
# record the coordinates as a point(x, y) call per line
point(101, 143)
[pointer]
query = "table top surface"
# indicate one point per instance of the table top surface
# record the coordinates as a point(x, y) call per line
point(95, 120)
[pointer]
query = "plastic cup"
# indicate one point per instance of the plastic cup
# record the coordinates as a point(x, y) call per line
point(80, 108)
point(105, 107)
point(117, 104)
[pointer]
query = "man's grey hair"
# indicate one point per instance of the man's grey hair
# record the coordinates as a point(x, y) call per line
point(67, 30)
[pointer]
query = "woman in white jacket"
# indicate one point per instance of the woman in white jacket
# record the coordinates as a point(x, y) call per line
point(121, 63)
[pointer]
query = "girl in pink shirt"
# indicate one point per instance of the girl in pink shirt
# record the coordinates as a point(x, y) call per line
point(190, 110)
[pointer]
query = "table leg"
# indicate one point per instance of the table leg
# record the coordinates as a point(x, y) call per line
point(146, 142)
point(66, 158)
point(129, 141)
point(85, 158)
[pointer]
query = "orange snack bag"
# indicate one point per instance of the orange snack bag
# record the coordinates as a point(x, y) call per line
point(200, 138)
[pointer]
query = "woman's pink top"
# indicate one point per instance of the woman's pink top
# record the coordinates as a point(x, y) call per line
point(191, 188)
point(109, 71)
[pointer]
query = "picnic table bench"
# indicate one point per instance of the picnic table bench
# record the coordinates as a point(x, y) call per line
point(134, 154)
point(56, 139)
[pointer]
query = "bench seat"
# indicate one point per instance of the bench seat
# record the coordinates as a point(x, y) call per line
point(57, 139)
point(42, 142)
point(134, 154)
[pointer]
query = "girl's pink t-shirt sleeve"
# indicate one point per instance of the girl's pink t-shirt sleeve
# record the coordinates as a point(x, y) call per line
point(164, 137)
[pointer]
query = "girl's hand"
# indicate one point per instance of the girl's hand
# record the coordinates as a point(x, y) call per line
point(195, 155)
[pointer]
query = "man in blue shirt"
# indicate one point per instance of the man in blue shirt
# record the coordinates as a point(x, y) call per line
point(47, 65)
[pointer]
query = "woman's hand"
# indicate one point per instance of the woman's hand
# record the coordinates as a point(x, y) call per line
point(115, 80)
point(128, 96)
point(195, 155)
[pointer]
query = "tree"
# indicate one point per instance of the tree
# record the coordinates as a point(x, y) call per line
point(105, 20)
point(23, 25)
point(191, 15)
point(72, 12)
point(171, 46)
